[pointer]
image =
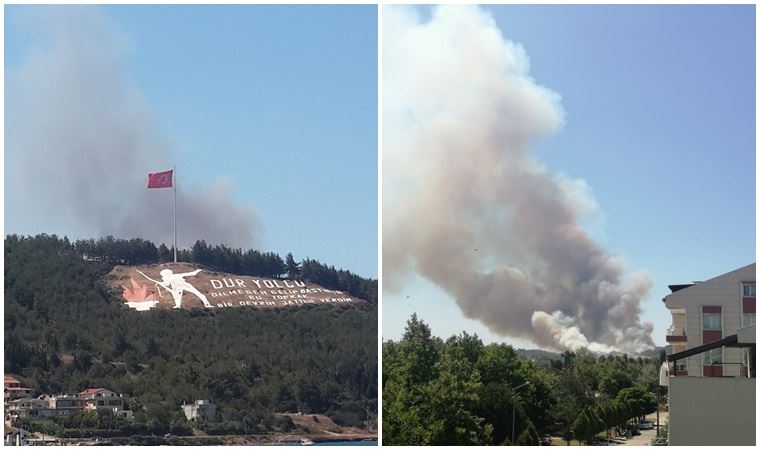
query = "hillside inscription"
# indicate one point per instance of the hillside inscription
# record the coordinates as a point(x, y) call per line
point(186, 286)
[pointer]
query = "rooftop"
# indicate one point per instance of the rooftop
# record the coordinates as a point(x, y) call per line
point(92, 391)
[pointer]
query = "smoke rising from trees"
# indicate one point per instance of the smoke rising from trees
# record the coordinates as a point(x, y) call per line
point(468, 206)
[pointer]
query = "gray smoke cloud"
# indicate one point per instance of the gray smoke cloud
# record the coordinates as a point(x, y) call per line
point(468, 206)
point(81, 136)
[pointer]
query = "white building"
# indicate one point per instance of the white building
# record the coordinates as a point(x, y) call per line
point(706, 312)
point(104, 399)
point(98, 399)
point(200, 410)
point(712, 360)
point(25, 407)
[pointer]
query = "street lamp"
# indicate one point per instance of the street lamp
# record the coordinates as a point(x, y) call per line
point(514, 390)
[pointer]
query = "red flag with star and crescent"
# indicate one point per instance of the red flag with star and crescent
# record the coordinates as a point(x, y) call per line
point(160, 180)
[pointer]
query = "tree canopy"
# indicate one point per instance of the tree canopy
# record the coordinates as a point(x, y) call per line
point(462, 392)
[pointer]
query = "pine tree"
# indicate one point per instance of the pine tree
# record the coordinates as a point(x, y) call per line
point(292, 267)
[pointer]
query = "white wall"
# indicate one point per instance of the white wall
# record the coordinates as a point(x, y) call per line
point(711, 411)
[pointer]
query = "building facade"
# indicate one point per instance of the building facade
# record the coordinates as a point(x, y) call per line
point(711, 358)
point(103, 399)
point(97, 399)
point(200, 410)
point(708, 311)
point(14, 390)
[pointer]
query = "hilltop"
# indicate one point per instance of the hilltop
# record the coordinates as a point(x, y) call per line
point(546, 357)
point(538, 355)
point(67, 329)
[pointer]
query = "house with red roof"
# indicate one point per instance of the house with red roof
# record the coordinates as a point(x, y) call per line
point(14, 390)
point(104, 399)
point(93, 399)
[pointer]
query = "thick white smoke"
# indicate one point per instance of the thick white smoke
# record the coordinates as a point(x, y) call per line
point(468, 206)
point(83, 137)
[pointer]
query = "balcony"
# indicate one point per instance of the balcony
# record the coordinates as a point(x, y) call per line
point(675, 334)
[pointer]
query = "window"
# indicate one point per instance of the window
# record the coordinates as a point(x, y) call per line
point(748, 289)
point(748, 319)
point(714, 356)
point(711, 321)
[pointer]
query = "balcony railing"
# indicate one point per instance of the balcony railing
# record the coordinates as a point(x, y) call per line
point(675, 334)
point(716, 369)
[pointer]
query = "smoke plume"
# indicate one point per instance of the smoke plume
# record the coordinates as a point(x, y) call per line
point(468, 206)
point(82, 138)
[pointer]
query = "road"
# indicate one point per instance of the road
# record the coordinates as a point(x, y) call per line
point(646, 436)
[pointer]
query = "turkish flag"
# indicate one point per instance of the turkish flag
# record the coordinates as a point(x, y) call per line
point(160, 180)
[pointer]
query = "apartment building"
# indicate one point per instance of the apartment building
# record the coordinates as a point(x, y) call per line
point(711, 353)
point(103, 399)
point(21, 408)
point(707, 311)
point(67, 405)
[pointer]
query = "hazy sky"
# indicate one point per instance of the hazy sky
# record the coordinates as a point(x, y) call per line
point(275, 106)
point(659, 106)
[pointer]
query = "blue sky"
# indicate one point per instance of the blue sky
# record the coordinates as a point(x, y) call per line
point(281, 101)
point(659, 108)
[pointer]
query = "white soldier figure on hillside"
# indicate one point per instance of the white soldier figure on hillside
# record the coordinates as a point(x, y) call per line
point(176, 284)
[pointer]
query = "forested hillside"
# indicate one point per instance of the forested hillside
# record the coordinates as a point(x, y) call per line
point(64, 334)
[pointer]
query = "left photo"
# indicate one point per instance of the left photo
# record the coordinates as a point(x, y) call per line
point(191, 225)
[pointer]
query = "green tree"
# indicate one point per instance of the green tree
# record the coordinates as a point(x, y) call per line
point(586, 425)
point(613, 381)
point(291, 267)
point(640, 402)
point(529, 436)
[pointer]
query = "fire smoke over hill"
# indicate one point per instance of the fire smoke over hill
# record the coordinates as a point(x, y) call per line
point(83, 137)
point(466, 204)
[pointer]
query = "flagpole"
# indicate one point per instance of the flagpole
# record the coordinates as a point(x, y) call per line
point(174, 186)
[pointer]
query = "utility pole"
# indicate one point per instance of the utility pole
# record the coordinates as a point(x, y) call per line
point(514, 391)
point(658, 411)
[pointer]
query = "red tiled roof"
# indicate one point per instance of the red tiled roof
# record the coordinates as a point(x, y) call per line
point(9, 379)
point(91, 391)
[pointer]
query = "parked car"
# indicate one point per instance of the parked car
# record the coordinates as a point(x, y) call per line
point(646, 425)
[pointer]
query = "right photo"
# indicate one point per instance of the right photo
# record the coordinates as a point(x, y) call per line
point(568, 225)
